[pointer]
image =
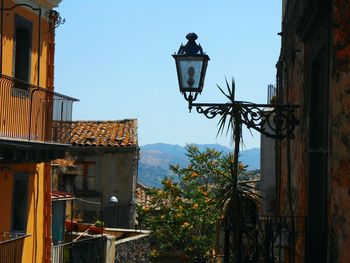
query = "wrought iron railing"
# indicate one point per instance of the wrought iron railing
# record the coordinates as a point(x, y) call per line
point(26, 111)
point(271, 239)
point(11, 247)
point(83, 250)
point(274, 240)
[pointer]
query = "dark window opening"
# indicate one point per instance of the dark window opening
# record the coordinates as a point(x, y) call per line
point(87, 180)
point(20, 203)
point(317, 178)
point(22, 52)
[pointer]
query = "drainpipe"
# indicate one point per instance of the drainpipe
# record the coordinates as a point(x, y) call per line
point(47, 212)
point(47, 166)
point(53, 15)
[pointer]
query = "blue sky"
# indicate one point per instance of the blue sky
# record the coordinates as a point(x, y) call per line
point(115, 57)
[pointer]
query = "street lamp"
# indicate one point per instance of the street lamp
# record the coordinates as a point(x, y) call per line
point(191, 65)
point(277, 123)
point(113, 200)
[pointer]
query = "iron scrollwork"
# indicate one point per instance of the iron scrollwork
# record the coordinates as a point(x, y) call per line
point(212, 111)
point(274, 121)
point(59, 21)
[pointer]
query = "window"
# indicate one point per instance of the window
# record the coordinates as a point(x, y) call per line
point(20, 202)
point(86, 181)
point(22, 53)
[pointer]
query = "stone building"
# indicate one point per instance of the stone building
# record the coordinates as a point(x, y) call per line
point(313, 169)
point(107, 154)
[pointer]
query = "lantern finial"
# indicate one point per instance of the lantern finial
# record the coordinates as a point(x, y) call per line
point(191, 36)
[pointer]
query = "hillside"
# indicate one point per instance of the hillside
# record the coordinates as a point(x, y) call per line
point(155, 159)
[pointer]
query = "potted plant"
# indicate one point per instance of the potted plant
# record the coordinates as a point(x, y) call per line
point(97, 228)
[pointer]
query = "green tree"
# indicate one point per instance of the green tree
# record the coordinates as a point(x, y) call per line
point(183, 214)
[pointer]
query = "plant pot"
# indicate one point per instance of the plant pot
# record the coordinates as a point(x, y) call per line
point(96, 229)
point(70, 226)
point(82, 227)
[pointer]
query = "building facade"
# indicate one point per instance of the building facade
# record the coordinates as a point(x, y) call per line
point(107, 154)
point(267, 184)
point(313, 169)
point(27, 105)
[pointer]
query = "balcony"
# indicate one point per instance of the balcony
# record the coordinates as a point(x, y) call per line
point(27, 113)
point(85, 250)
point(269, 239)
point(11, 247)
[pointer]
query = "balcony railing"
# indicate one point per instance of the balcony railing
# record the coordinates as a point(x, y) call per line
point(27, 111)
point(58, 253)
point(84, 250)
point(11, 247)
point(275, 239)
point(269, 239)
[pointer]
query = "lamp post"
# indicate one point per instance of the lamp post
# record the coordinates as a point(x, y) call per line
point(113, 200)
point(278, 123)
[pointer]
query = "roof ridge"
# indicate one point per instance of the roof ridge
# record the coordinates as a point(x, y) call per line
point(120, 120)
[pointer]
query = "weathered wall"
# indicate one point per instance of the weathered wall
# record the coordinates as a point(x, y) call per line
point(293, 159)
point(339, 209)
point(297, 52)
point(118, 178)
point(116, 175)
point(133, 250)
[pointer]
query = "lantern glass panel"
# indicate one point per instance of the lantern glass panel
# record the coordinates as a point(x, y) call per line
point(190, 73)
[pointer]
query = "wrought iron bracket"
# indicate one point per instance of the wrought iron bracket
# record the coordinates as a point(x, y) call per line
point(274, 121)
point(59, 20)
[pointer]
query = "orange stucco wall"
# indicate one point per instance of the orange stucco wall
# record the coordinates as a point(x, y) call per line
point(8, 42)
point(37, 110)
point(36, 247)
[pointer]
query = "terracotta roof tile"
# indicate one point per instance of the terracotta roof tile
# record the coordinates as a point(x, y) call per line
point(141, 197)
point(121, 133)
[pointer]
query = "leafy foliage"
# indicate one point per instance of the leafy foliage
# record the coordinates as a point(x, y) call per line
point(183, 214)
point(226, 119)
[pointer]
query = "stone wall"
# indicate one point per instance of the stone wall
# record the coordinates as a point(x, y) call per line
point(339, 189)
point(133, 249)
point(312, 39)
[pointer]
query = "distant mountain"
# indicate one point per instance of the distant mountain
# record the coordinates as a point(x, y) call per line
point(161, 154)
point(155, 159)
